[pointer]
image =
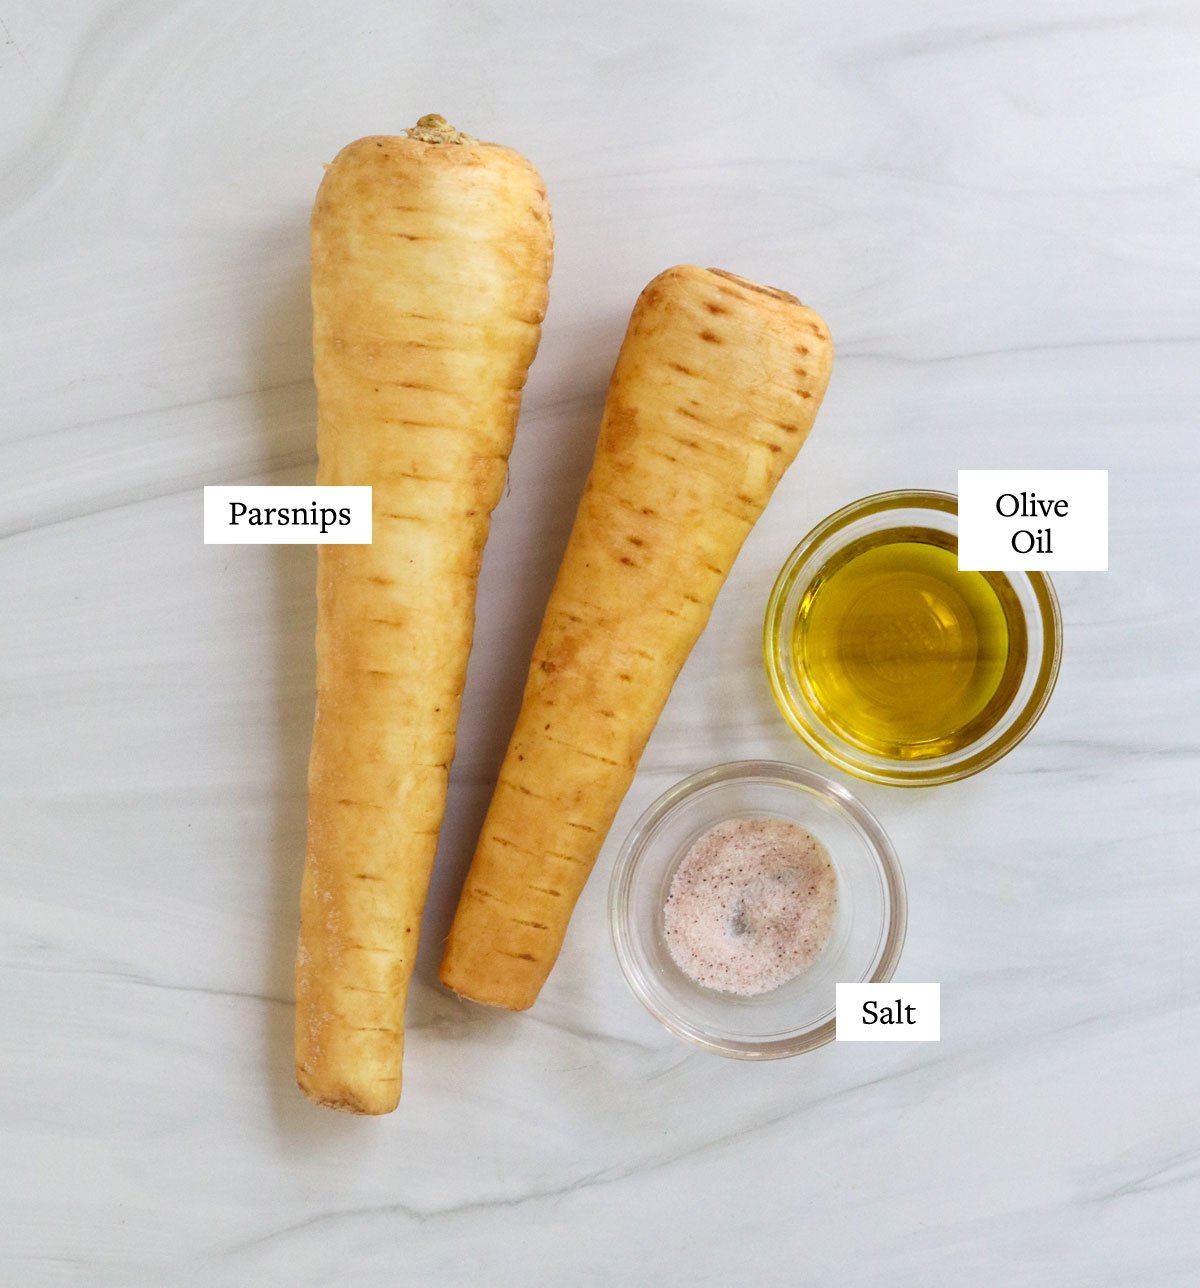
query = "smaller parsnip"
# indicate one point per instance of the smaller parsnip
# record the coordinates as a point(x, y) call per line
point(715, 389)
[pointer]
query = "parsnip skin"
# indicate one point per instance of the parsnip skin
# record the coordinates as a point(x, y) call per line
point(431, 255)
point(715, 389)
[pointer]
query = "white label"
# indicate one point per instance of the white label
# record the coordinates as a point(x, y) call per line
point(1020, 520)
point(889, 1012)
point(287, 516)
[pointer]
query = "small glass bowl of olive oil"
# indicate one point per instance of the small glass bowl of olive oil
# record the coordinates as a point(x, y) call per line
point(891, 663)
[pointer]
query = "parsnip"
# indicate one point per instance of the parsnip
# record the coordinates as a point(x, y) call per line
point(430, 260)
point(716, 386)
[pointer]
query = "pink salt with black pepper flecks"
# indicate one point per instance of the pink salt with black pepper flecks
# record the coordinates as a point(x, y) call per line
point(751, 905)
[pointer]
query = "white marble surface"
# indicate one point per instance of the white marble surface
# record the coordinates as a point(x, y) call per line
point(997, 213)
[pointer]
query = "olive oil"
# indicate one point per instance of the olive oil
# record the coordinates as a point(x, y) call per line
point(902, 654)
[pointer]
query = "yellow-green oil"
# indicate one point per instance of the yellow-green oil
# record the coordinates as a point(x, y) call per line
point(903, 655)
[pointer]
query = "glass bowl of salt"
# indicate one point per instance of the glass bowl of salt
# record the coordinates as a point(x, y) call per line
point(743, 896)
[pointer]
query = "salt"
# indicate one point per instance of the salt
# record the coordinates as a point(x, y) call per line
point(750, 906)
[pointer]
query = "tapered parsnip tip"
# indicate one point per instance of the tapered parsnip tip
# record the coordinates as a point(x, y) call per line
point(433, 128)
point(486, 991)
point(362, 1095)
point(347, 1101)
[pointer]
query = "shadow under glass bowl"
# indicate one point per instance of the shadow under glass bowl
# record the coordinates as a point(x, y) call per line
point(910, 515)
point(864, 945)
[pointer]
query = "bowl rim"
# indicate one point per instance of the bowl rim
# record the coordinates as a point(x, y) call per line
point(834, 750)
point(629, 857)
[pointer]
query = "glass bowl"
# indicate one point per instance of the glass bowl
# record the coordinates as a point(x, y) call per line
point(868, 931)
point(915, 515)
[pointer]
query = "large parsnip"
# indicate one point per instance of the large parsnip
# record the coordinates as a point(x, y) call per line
point(430, 261)
point(715, 389)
